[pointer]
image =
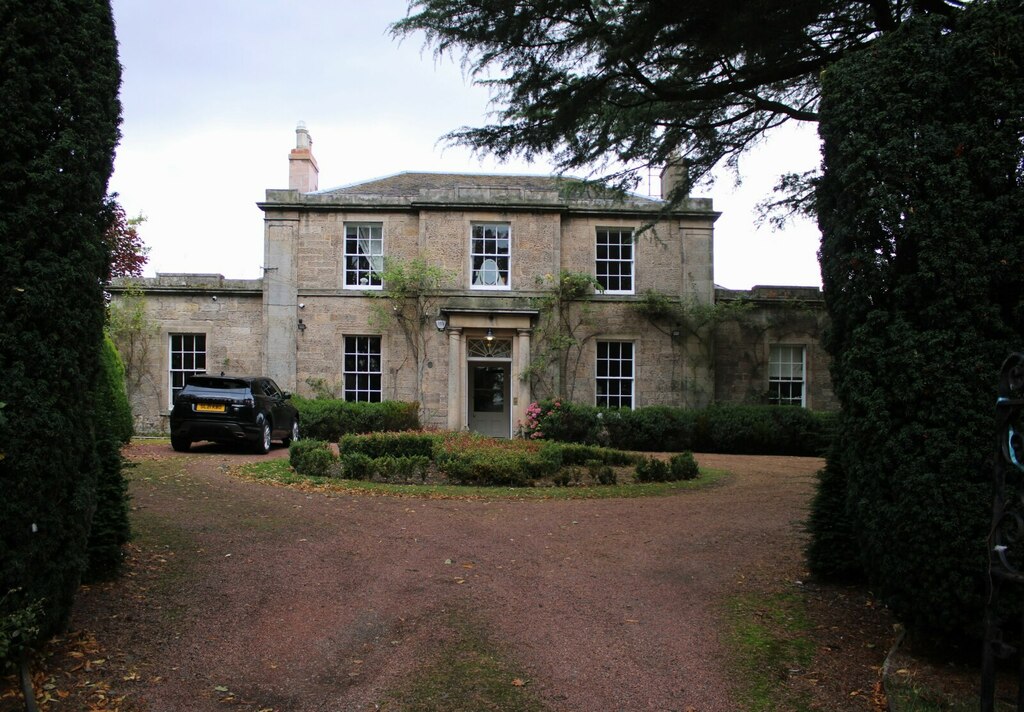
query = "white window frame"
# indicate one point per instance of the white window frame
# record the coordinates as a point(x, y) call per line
point(608, 260)
point(375, 260)
point(484, 254)
point(193, 360)
point(613, 374)
point(787, 367)
point(356, 347)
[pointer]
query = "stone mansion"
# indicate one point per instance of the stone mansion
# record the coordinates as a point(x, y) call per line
point(475, 295)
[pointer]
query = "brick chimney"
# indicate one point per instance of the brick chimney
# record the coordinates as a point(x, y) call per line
point(674, 174)
point(302, 169)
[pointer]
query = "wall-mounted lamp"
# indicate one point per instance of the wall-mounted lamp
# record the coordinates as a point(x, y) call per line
point(302, 326)
point(490, 334)
point(441, 324)
point(302, 305)
point(214, 297)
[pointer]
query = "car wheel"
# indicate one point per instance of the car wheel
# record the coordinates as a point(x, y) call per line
point(263, 444)
point(288, 440)
point(180, 444)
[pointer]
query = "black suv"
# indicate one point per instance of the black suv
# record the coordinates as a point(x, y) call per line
point(230, 409)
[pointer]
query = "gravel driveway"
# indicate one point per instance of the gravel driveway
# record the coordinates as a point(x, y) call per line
point(273, 598)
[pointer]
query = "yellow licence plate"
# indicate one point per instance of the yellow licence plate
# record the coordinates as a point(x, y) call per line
point(209, 408)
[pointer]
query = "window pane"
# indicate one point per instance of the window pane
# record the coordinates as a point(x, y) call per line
point(786, 375)
point(614, 380)
point(362, 368)
point(364, 254)
point(490, 248)
point(187, 358)
point(614, 254)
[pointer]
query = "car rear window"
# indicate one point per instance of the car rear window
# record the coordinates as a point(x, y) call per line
point(217, 384)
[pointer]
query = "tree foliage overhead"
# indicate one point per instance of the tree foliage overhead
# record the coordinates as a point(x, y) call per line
point(59, 113)
point(639, 81)
point(921, 207)
point(128, 254)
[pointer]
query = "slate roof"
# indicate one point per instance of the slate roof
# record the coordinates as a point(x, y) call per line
point(411, 184)
point(423, 189)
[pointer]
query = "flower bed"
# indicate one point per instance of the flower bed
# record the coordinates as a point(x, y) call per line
point(418, 457)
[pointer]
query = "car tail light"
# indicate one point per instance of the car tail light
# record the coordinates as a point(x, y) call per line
point(244, 403)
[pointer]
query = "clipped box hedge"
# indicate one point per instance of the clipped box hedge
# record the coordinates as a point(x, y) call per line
point(731, 429)
point(330, 418)
point(400, 444)
point(313, 458)
point(470, 459)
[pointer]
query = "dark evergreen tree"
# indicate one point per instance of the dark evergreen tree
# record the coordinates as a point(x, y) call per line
point(59, 115)
point(639, 82)
point(921, 207)
point(110, 529)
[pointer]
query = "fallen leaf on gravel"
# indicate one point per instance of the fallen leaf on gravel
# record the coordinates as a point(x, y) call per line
point(220, 688)
point(518, 682)
point(458, 580)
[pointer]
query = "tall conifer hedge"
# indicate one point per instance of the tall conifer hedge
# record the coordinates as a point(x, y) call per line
point(921, 207)
point(59, 115)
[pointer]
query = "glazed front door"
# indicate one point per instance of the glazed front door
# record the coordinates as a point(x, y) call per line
point(489, 401)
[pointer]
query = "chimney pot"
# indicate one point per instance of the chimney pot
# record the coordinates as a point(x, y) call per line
point(303, 172)
point(675, 173)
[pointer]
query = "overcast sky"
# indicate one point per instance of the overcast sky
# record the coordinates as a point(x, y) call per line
point(212, 91)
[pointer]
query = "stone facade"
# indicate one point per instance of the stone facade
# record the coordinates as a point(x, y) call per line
point(772, 317)
point(468, 351)
point(227, 313)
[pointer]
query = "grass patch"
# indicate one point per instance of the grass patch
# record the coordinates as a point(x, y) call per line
point(468, 674)
point(908, 695)
point(769, 636)
point(279, 472)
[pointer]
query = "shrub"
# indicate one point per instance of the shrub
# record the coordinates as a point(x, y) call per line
point(654, 428)
point(566, 476)
point(400, 469)
point(356, 466)
point(832, 552)
point(60, 115)
point(651, 469)
point(329, 419)
point(312, 458)
point(471, 459)
point(739, 429)
point(555, 419)
point(683, 467)
point(502, 467)
point(601, 473)
point(764, 430)
point(18, 628)
point(403, 444)
point(110, 529)
point(920, 258)
point(573, 454)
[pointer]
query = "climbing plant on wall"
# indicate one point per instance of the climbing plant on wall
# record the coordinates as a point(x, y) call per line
point(408, 300)
point(564, 326)
point(691, 327)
